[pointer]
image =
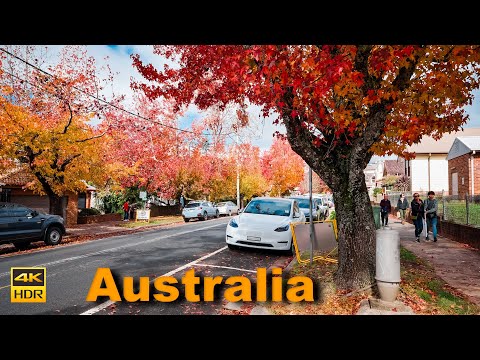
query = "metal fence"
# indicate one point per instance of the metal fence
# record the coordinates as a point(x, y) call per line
point(458, 209)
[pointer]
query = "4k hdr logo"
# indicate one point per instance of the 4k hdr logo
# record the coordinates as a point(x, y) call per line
point(28, 284)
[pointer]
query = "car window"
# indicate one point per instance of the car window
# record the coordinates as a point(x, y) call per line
point(20, 211)
point(303, 203)
point(205, 204)
point(268, 207)
point(221, 204)
point(231, 203)
point(193, 205)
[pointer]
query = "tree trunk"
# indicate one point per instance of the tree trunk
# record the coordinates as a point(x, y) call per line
point(356, 229)
point(56, 204)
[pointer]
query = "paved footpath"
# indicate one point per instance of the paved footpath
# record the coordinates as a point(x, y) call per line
point(455, 263)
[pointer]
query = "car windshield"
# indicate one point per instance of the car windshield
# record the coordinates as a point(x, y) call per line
point(303, 203)
point(221, 204)
point(193, 205)
point(268, 207)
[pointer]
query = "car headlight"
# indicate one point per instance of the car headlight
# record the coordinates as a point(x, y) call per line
point(282, 228)
point(233, 223)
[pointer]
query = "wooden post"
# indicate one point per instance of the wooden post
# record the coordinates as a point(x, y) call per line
point(466, 205)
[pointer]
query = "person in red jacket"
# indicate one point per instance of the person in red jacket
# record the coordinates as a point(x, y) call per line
point(385, 208)
point(126, 207)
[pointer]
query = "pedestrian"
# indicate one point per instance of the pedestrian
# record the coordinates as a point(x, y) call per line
point(385, 209)
point(182, 202)
point(418, 213)
point(402, 206)
point(431, 209)
point(126, 207)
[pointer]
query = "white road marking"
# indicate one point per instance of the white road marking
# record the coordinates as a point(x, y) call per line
point(226, 267)
point(170, 273)
point(61, 261)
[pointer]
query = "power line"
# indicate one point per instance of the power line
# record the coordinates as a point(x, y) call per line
point(93, 96)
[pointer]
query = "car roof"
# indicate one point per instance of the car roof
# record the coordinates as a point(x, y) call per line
point(272, 198)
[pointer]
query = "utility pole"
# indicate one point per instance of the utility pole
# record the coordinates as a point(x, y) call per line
point(312, 230)
point(238, 173)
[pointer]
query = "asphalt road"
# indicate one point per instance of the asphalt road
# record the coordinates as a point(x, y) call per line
point(173, 251)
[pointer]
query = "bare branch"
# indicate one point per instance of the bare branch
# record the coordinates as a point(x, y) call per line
point(70, 119)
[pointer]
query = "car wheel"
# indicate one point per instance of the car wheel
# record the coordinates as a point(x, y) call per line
point(54, 236)
point(22, 245)
point(186, 220)
point(217, 214)
point(205, 216)
point(232, 247)
point(292, 249)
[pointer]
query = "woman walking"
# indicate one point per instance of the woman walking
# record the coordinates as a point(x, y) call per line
point(402, 206)
point(418, 213)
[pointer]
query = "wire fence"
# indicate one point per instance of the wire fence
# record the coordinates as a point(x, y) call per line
point(463, 209)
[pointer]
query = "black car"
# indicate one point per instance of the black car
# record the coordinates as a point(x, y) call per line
point(20, 226)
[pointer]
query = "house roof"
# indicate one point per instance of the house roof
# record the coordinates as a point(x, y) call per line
point(370, 168)
point(18, 176)
point(464, 145)
point(393, 167)
point(429, 145)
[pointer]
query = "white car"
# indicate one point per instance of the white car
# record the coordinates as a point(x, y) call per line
point(201, 210)
point(227, 208)
point(265, 224)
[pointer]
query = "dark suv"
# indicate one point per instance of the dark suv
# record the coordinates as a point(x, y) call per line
point(20, 226)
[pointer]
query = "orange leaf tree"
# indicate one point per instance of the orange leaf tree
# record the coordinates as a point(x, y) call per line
point(47, 121)
point(339, 104)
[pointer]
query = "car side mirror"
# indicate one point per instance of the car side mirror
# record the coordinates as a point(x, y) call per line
point(32, 214)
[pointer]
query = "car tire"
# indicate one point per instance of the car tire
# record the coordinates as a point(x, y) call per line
point(291, 251)
point(232, 247)
point(23, 245)
point(217, 214)
point(54, 236)
point(205, 216)
point(186, 220)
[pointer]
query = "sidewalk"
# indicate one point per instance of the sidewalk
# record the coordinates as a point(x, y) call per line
point(455, 263)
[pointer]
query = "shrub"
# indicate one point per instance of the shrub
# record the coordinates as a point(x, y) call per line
point(89, 212)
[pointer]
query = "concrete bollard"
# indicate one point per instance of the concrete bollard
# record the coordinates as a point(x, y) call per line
point(387, 271)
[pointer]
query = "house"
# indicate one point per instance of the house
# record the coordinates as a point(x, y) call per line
point(12, 189)
point(429, 169)
point(394, 167)
point(464, 166)
point(370, 177)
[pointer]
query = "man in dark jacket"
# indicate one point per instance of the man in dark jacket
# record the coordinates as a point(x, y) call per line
point(385, 208)
point(418, 213)
point(431, 209)
point(402, 205)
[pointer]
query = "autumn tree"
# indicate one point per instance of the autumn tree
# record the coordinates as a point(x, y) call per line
point(339, 104)
point(47, 119)
point(282, 168)
point(318, 185)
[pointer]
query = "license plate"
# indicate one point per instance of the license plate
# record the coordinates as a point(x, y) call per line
point(254, 238)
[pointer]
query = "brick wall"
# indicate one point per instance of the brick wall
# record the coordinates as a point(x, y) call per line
point(72, 210)
point(476, 173)
point(461, 233)
point(460, 165)
point(98, 218)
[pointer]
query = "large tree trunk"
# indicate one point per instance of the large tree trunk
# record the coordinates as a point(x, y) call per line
point(356, 229)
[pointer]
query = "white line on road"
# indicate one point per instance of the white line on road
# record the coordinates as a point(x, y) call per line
point(170, 273)
point(61, 261)
point(226, 267)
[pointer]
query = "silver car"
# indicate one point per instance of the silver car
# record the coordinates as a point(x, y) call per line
point(201, 210)
point(227, 208)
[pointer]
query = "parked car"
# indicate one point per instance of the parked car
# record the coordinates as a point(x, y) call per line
point(319, 208)
point(227, 208)
point(201, 210)
point(21, 225)
point(265, 224)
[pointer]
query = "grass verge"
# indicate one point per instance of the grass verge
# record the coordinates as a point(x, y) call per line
point(161, 220)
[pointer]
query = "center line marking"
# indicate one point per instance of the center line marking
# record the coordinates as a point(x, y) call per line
point(226, 267)
point(170, 273)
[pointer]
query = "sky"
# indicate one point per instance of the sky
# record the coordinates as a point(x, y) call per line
point(121, 63)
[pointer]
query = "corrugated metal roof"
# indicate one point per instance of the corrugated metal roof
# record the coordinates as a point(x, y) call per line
point(472, 142)
point(430, 145)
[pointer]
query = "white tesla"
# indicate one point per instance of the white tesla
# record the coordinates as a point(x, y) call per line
point(265, 224)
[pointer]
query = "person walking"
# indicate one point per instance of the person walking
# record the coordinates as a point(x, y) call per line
point(126, 208)
point(418, 213)
point(431, 209)
point(182, 202)
point(402, 205)
point(385, 209)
